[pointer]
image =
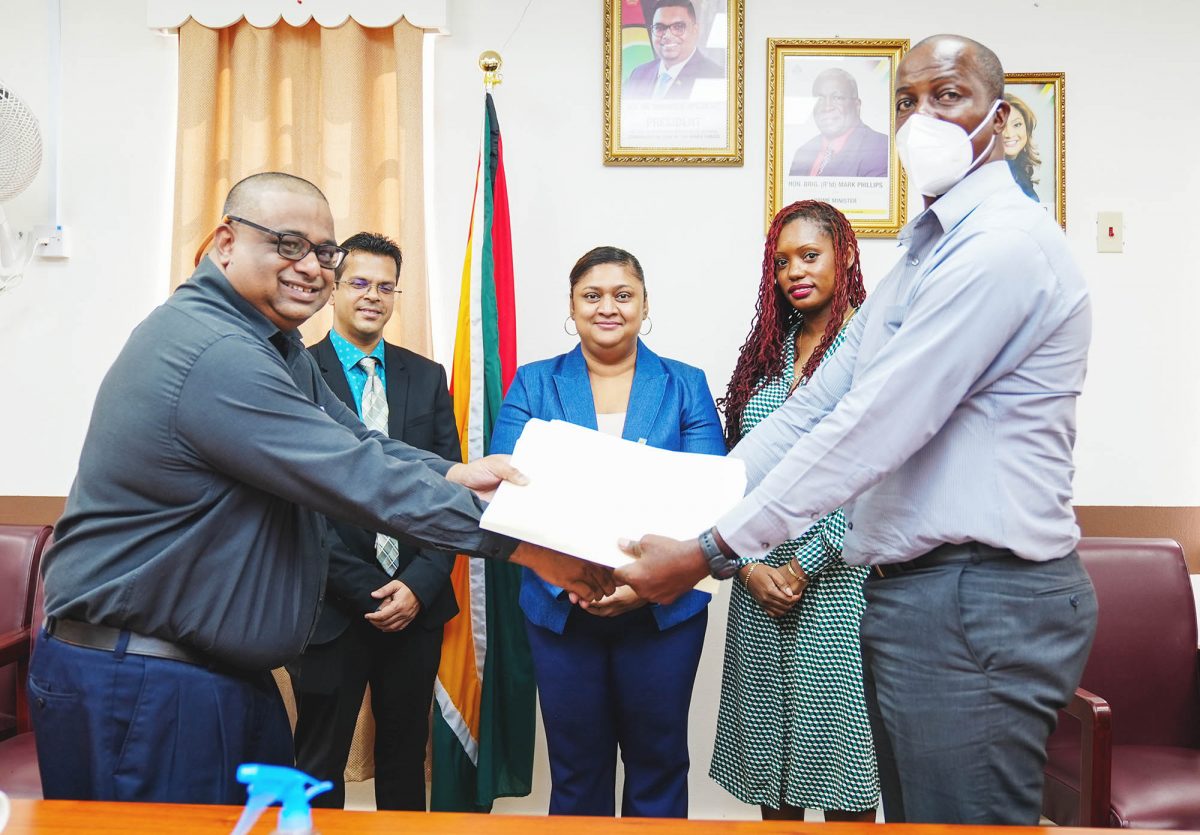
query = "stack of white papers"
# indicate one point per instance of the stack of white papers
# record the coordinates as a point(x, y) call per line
point(587, 490)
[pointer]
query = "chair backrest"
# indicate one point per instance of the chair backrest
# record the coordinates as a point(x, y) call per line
point(38, 609)
point(1144, 660)
point(21, 548)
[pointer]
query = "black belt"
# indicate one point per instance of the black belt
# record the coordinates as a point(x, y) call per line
point(944, 555)
point(108, 638)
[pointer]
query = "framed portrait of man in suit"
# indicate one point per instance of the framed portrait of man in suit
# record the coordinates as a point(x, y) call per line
point(673, 73)
point(1035, 137)
point(831, 130)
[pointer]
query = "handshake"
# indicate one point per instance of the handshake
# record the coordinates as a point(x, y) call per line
point(663, 568)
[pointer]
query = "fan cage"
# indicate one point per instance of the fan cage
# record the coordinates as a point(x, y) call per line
point(20, 145)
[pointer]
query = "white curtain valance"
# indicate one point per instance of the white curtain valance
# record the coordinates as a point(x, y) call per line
point(217, 14)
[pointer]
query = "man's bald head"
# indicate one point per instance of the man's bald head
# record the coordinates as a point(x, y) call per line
point(971, 55)
point(267, 215)
point(957, 80)
point(839, 77)
point(245, 198)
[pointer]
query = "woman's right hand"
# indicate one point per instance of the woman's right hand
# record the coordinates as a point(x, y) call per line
point(770, 588)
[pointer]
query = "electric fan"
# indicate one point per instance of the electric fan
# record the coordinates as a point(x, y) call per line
point(20, 158)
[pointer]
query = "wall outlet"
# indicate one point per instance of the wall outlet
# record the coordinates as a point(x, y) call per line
point(51, 242)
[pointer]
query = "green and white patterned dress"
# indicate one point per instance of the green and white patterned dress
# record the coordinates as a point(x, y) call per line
point(792, 723)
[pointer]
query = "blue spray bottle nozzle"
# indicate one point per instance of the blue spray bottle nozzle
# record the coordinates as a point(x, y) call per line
point(267, 784)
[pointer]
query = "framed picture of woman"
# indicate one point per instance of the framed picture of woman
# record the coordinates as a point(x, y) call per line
point(1035, 137)
point(831, 130)
point(673, 73)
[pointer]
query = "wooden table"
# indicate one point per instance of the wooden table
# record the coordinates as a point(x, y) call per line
point(71, 816)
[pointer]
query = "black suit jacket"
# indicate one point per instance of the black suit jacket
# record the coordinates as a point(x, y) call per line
point(421, 414)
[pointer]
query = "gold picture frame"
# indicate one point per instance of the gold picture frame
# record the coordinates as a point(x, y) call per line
point(1041, 97)
point(831, 137)
point(691, 114)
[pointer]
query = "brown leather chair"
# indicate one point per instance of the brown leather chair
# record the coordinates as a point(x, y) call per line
point(21, 549)
point(19, 776)
point(1126, 753)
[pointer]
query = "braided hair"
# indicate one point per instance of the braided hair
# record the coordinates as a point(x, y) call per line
point(760, 358)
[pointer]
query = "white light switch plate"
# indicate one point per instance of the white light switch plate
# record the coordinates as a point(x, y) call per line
point(1110, 232)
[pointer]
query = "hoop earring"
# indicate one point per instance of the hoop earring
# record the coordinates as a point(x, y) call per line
point(646, 332)
point(570, 333)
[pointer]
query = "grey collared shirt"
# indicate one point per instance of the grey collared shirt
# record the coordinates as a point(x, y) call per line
point(213, 452)
point(948, 415)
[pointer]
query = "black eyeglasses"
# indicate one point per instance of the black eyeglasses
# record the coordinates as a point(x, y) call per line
point(361, 285)
point(295, 247)
point(678, 28)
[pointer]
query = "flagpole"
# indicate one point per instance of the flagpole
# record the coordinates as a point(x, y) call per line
point(490, 62)
point(485, 721)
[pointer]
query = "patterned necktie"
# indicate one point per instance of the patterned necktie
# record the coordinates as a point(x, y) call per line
point(825, 158)
point(375, 416)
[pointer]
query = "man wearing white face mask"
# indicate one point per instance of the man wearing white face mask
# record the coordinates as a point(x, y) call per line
point(945, 426)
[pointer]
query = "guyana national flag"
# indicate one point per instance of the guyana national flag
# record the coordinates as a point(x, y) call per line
point(483, 719)
point(635, 36)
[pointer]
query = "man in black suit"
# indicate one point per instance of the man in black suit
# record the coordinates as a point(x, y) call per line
point(385, 601)
point(675, 35)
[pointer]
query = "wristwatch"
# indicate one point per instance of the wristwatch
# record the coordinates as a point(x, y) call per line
point(719, 566)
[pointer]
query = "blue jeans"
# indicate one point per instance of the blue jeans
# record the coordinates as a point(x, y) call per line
point(965, 665)
point(117, 726)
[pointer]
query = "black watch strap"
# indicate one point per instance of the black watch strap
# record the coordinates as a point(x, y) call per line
point(719, 566)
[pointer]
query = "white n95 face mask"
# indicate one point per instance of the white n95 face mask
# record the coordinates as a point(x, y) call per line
point(937, 154)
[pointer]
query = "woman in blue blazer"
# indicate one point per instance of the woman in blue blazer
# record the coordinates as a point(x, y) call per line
point(618, 674)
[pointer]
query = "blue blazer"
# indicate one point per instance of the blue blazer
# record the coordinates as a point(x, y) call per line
point(670, 407)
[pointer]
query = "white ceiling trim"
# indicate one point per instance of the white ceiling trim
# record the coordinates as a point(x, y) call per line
point(217, 14)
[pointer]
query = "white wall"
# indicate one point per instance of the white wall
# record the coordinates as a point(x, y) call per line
point(1130, 130)
point(63, 325)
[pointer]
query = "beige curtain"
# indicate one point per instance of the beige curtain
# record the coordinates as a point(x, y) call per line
point(340, 107)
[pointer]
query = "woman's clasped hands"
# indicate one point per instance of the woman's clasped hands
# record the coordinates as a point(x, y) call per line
point(776, 590)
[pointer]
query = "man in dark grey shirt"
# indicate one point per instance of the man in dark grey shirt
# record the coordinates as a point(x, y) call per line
point(190, 559)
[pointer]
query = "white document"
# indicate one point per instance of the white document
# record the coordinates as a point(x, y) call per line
point(587, 490)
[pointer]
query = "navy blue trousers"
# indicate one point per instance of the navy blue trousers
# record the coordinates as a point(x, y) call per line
point(609, 683)
point(965, 666)
point(116, 726)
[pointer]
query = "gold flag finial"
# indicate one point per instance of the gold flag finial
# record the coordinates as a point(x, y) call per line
point(490, 62)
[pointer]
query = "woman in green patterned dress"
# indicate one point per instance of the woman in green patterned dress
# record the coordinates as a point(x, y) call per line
point(792, 730)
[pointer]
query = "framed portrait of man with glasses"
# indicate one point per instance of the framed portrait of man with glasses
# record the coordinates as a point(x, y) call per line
point(673, 82)
point(831, 130)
